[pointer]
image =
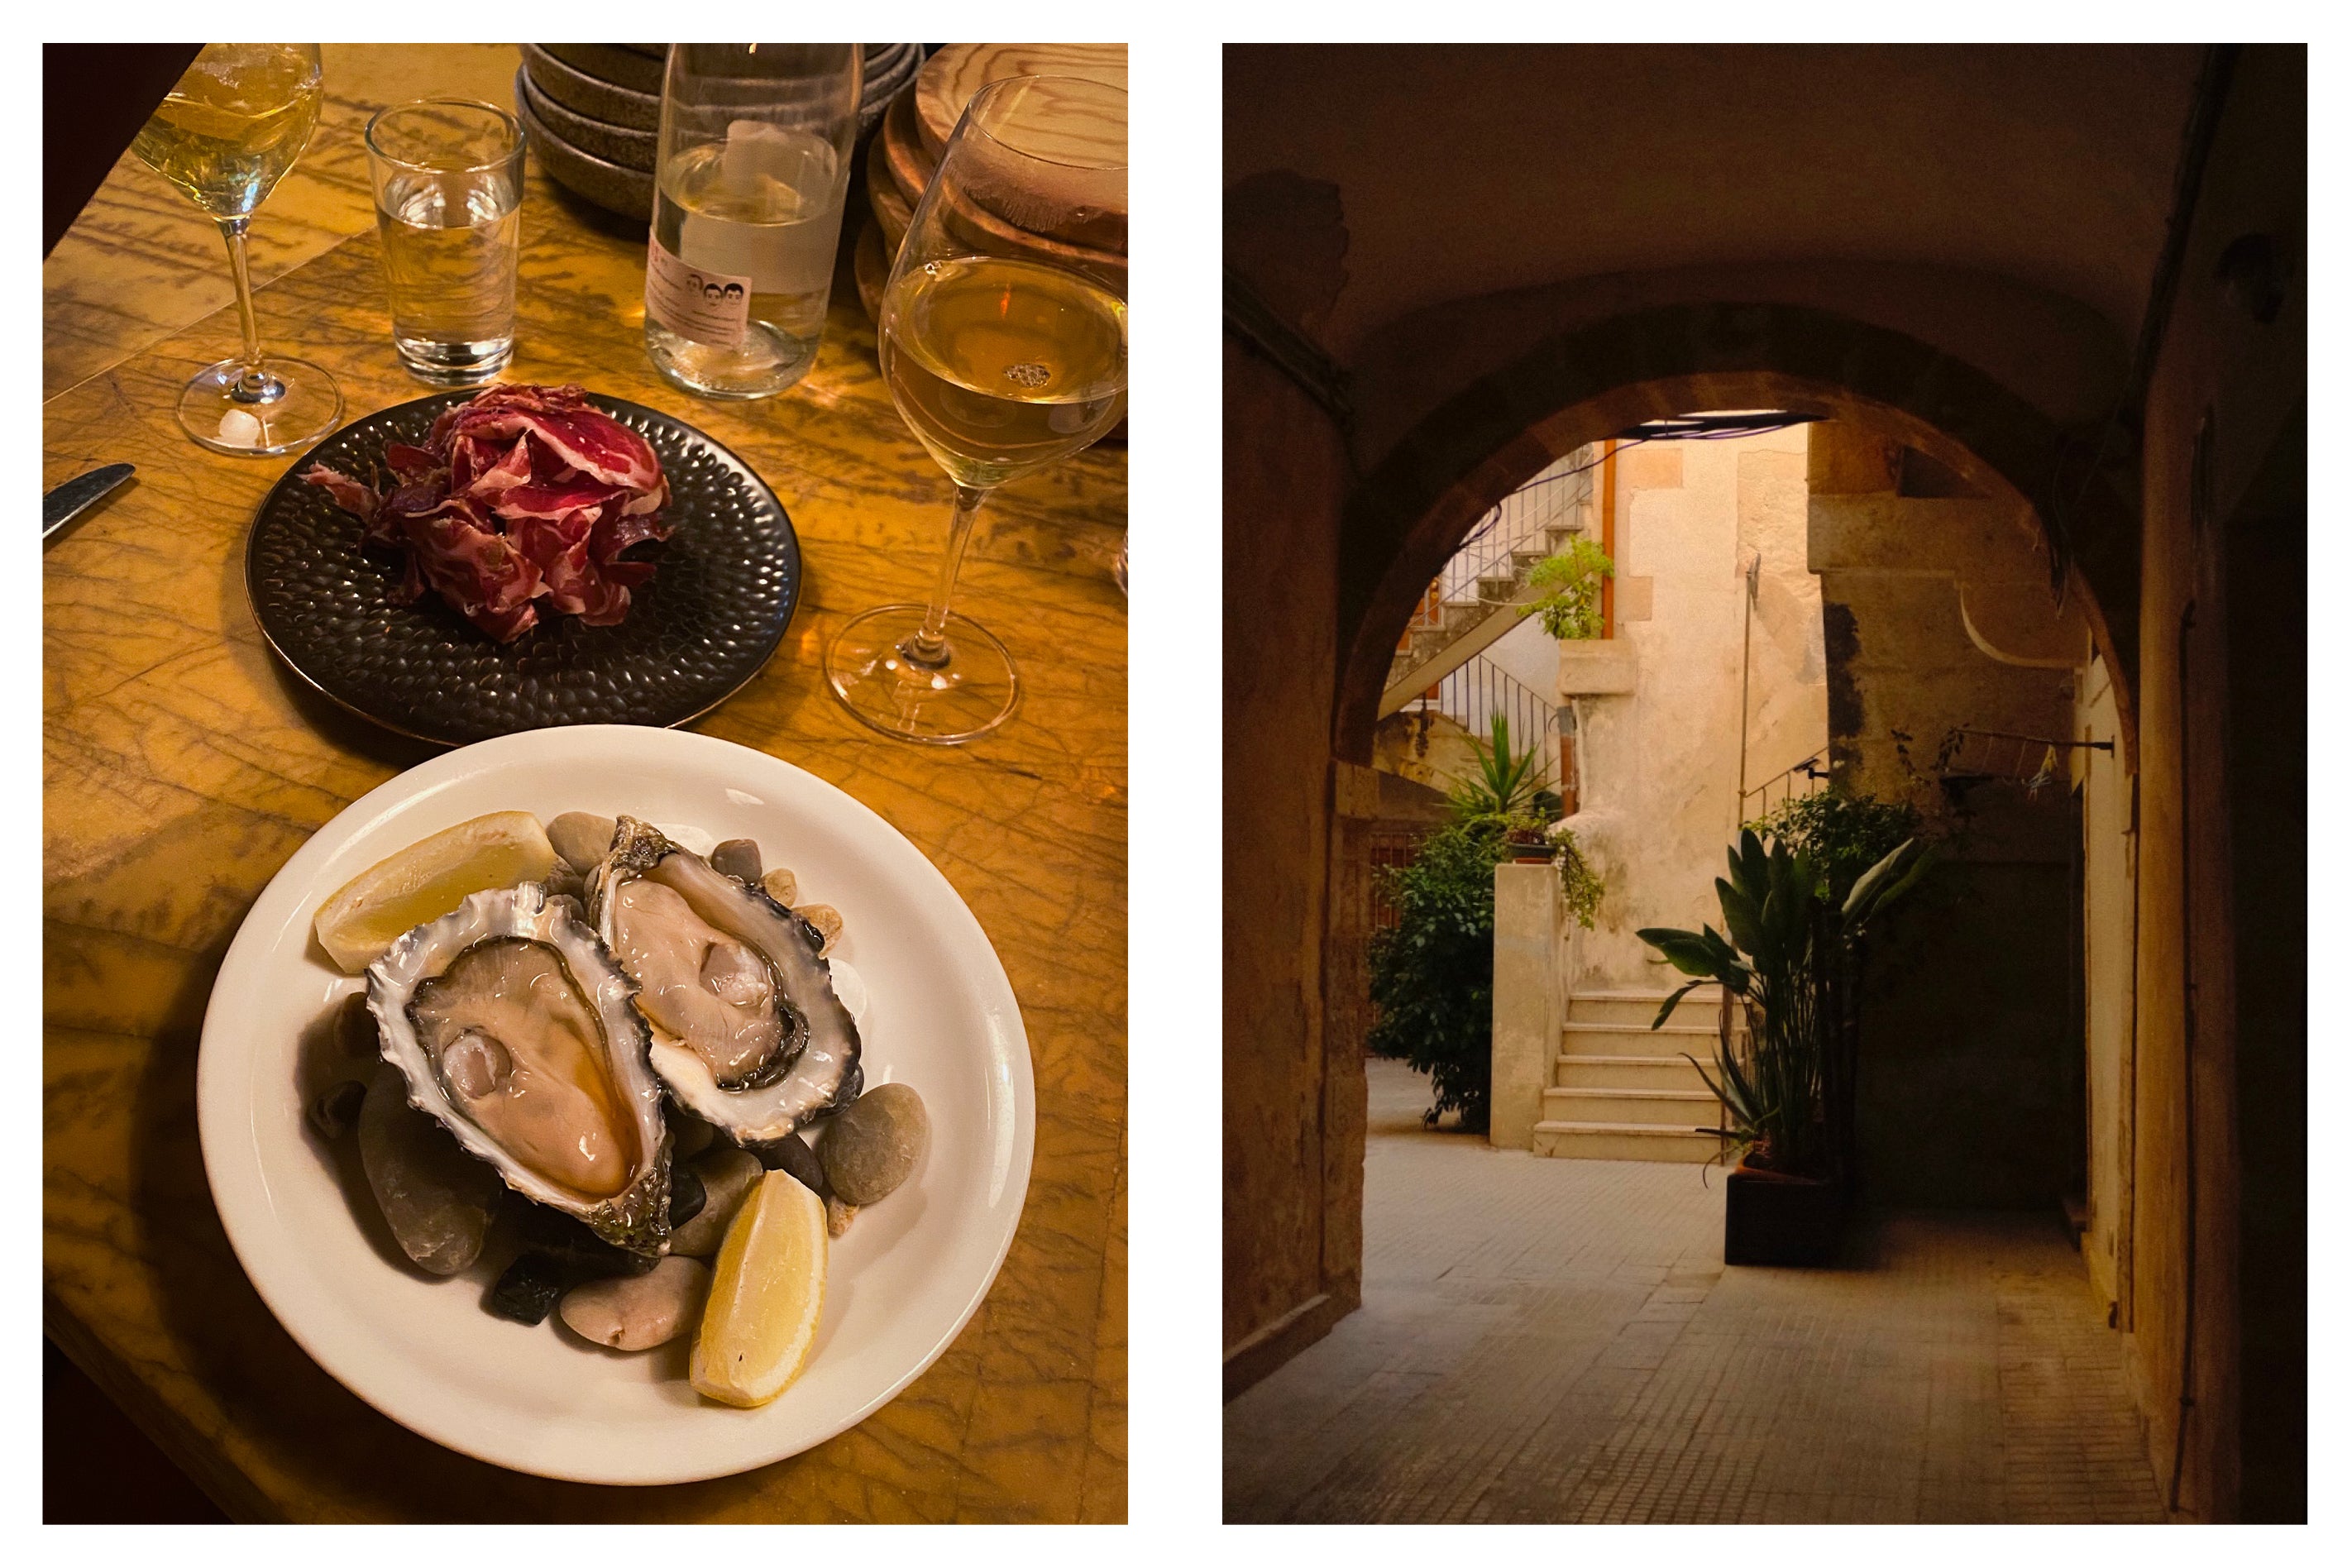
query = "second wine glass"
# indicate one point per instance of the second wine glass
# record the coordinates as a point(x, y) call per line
point(1003, 343)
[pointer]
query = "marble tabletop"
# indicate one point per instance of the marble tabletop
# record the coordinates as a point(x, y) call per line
point(181, 768)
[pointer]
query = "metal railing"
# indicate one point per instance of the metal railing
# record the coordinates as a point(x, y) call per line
point(1481, 689)
point(1560, 497)
point(1813, 773)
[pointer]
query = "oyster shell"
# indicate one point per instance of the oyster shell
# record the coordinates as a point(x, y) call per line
point(513, 1028)
point(748, 1032)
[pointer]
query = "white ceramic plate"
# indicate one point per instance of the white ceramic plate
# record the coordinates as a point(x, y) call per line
point(938, 1014)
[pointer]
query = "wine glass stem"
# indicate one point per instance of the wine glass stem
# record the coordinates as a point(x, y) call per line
point(928, 646)
point(255, 386)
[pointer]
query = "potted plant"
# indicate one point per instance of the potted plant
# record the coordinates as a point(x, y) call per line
point(1787, 966)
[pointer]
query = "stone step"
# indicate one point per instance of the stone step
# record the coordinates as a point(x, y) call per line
point(1683, 1107)
point(1623, 1140)
point(1641, 1006)
point(1625, 1072)
point(1636, 1040)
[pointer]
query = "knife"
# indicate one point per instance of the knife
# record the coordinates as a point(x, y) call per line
point(78, 495)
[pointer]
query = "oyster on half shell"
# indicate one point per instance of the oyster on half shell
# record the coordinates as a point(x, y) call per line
point(748, 1032)
point(513, 1028)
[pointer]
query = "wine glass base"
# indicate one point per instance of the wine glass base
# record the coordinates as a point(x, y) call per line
point(305, 409)
point(970, 695)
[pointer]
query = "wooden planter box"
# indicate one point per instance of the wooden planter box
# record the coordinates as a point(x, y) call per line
point(1774, 1220)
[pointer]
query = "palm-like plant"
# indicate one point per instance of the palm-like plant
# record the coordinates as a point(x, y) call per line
point(1506, 784)
point(1791, 960)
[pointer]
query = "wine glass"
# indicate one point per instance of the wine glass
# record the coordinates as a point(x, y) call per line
point(226, 135)
point(1003, 340)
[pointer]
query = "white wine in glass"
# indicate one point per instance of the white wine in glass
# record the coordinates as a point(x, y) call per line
point(1005, 347)
point(226, 134)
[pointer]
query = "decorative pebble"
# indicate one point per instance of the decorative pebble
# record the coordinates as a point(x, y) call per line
point(582, 838)
point(876, 1144)
point(727, 1174)
point(793, 1156)
point(827, 921)
point(337, 1110)
point(435, 1196)
point(355, 1030)
point(687, 1195)
point(529, 1288)
point(838, 1215)
point(781, 886)
point(738, 858)
point(689, 1136)
point(639, 1312)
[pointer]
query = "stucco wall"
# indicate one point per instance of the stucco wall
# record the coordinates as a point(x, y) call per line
point(2109, 909)
point(1970, 1092)
point(1660, 765)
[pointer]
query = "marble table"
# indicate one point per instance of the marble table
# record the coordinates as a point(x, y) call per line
point(182, 767)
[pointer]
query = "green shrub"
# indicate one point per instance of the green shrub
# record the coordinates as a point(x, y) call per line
point(1842, 835)
point(1580, 886)
point(1434, 972)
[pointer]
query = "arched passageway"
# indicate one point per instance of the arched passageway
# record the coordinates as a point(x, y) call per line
point(1407, 339)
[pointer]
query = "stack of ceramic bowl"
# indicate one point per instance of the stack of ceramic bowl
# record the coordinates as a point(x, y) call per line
point(915, 131)
point(593, 113)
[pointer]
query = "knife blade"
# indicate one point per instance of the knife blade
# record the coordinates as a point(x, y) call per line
point(78, 494)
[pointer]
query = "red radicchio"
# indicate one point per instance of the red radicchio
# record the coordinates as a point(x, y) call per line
point(525, 493)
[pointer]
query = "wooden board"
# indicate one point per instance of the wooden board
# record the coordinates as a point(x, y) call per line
point(951, 76)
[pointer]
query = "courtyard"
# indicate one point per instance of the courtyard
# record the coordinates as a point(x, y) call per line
point(1556, 1339)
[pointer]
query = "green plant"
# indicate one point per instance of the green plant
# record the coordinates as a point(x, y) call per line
point(1842, 834)
point(1506, 785)
point(1433, 973)
point(1572, 609)
point(1580, 886)
point(1792, 959)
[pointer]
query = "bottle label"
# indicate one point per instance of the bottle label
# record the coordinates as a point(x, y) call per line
point(695, 302)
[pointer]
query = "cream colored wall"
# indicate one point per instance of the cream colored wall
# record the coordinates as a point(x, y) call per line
point(1660, 764)
point(2110, 859)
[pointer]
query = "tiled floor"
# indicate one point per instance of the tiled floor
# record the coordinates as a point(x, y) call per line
point(1557, 1340)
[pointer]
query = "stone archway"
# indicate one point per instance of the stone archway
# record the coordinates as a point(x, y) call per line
point(1407, 515)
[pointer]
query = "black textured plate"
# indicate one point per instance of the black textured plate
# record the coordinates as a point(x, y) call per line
point(695, 635)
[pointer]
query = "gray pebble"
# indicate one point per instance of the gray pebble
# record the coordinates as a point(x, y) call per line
point(875, 1145)
point(582, 838)
point(689, 1135)
point(728, 1175)
point(781, 886)
point(793, 1156)
point(355, 1030)
point(336, 1111)
point(435, 1196)
point(636, 1312)
point(738, 858)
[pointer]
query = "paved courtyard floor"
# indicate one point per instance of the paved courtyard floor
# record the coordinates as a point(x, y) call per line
point(1557, 1340)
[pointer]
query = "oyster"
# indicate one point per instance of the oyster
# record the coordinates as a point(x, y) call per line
point(748, 1033)
point(513, 1028)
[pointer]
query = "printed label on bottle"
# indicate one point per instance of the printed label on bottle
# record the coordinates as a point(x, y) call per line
point(695, 302)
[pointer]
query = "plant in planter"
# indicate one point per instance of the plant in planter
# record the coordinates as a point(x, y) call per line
point(1571, 610)
point(1581, 887)
point(1790, 961)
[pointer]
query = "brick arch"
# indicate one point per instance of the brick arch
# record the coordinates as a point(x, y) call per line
point(1406, 516)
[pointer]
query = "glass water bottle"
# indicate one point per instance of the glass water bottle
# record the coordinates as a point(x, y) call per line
point(749, 185)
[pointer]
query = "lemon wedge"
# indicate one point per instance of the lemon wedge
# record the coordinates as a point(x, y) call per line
point(429, 879)
point(766, 1296)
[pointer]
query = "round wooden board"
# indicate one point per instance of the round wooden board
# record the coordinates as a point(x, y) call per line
point(951, 76)
point(891, 205)
point(909, 166)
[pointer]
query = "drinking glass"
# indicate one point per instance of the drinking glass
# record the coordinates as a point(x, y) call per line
point(447, 174)
point(1003, 343)
point(226, 134)
point(752, 171)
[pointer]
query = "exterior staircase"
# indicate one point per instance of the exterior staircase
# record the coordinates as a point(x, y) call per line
point(1622, 1091)
point(1467, 627)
